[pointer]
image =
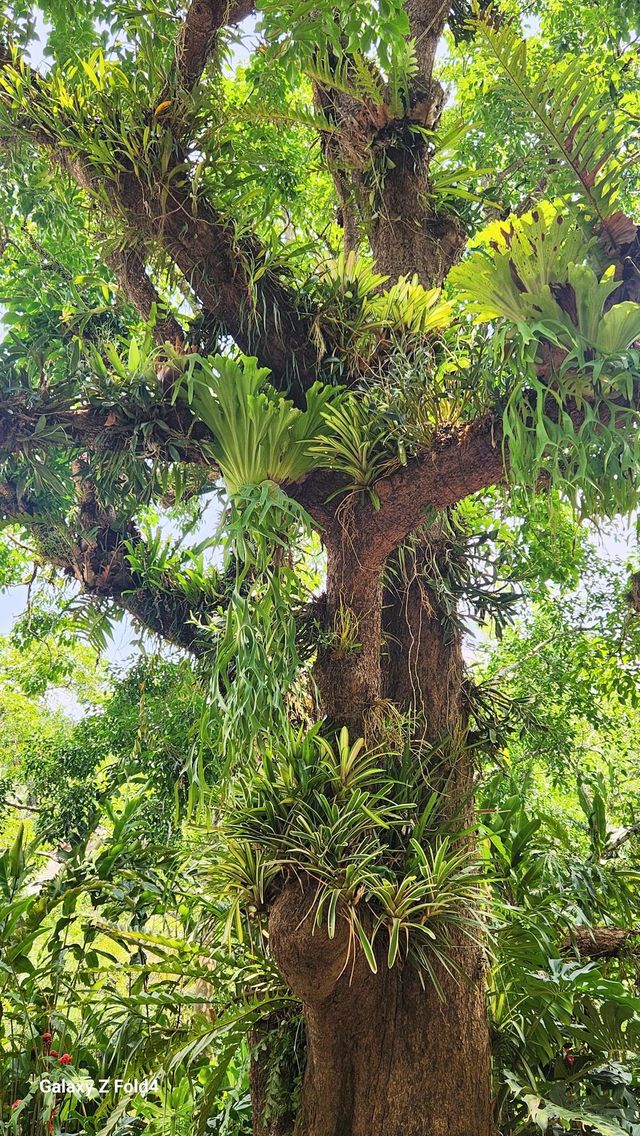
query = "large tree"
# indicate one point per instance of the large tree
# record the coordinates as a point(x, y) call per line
point(262, 280)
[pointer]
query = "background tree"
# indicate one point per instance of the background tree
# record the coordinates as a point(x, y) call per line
point(367, 406)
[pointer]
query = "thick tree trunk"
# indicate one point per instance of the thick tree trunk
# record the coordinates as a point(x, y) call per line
point(422, 669)
point(348, 670)
point(407, 236)
point(386, 1054)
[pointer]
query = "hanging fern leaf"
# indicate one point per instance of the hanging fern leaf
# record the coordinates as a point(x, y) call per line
point(285, 116)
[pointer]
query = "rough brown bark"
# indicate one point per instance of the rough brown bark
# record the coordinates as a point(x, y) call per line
point(386, 1057)
point(408, 237)
point(424, 672)
point(426, 21)
point(129, 269)
point(378, 152)
point(379, 159)
point(598, 942)
point(199, 33)
point(409, 234)
point(348, 668)
point(423, 668)
point(262, 315)
point(460, 461)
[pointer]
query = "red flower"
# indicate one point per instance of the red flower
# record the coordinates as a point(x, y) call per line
point(17, 1102)
point(46, 1037)
point(66, 1059)
point(53, 1053)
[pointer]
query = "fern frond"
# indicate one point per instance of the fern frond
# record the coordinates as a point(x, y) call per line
point(354, 75)
point(520, 258)
point(335, 75)
point(572, 119)
point(367, 79)
point(257, 435)
point(287, 116)
point(404, 68)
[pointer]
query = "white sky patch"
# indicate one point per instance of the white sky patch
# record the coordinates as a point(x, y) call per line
point(65, 701)
point(34, 53)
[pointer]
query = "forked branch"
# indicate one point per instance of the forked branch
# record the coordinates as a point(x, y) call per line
point(199, 34)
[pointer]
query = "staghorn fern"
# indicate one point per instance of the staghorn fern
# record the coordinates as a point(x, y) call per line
point(571, 411)
point(518, 258)
point(260, 437)
point(534, 274)
point(257, 434)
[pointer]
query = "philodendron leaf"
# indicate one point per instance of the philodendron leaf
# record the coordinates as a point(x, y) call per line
point(543, 1112)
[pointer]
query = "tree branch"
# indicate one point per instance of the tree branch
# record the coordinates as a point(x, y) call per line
point(94, 551)
point(619, 837)
point(408, 232)
point(598, 942)
point(462, 462)
point(144, 431)
point(99, 564)
point(426, 22)
point(9, 804)
point(129, 269)
point(199, 34)
point(457, 464)
point(256, 308)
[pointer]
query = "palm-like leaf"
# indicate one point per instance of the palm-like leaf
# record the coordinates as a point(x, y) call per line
point(572, 120)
